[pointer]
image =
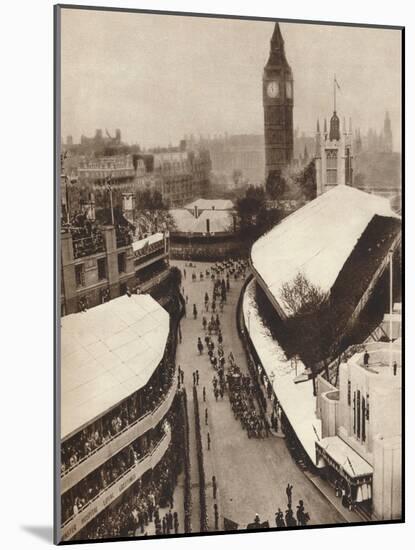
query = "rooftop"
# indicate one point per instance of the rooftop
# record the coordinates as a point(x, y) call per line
point(220, 221)
point(108, 353)
point(317, 239)
point(352, 463)
point(151, 239)
point(210, 204)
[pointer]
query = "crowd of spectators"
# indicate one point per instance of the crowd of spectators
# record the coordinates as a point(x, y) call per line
point(76, 498)
point(99, 433)
point(149, 248)
point(86, 237)
point(124, 235)
point(151, 272)
point(139, 511)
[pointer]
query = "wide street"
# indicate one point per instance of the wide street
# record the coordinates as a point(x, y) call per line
point(251, 474)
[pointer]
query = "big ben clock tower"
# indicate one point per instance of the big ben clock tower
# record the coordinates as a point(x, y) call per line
point(278, 100)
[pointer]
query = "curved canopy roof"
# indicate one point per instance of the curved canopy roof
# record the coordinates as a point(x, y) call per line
point(317, 239)
point(108, 353)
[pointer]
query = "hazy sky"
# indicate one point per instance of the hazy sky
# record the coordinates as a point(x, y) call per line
point(159, 77)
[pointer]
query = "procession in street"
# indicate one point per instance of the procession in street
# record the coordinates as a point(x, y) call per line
point(237, 440)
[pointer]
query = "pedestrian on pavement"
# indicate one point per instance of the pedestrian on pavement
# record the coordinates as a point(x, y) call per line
point(206, 417)
point(204, 323)
point(302, 516)
point(176, 522)
point(208, 441)
point(395, 368)
point(214, 487)
point(187, 298)
point(197, 377)
point(289, 493)
point(289, 517)
point(204, 394)
point(366, 358)
point(194, 378)
point(199, 346)
point(279, 519)
point(216, 393)
point(194, 312)
point(184, 273)
point(215, 507)
point(221, 392)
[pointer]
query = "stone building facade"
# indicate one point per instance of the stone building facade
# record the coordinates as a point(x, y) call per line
point(105, 266)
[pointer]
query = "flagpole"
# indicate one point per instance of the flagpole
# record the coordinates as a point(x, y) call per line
point(109, 180)
point(390, 304)
point(334, 89)
point(112, 210)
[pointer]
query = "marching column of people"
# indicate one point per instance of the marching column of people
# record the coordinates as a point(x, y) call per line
point(228, 378)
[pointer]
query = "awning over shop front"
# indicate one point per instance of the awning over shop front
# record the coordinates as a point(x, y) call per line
point(340, 456)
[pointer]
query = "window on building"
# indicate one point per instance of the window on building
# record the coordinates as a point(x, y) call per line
point(331, 166)
point(80, 275)
point(363, 419)
point(102, 269)
point(122, 264)
point(358, 415)
point(354, 412)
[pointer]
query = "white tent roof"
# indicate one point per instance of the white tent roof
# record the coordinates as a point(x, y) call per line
point(219, 221)
point(211, 204)
point(297, 400)
point(108, 353)
point(137, 245)
point(317, 239)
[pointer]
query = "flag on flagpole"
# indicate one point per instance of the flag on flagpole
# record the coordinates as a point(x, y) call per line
point(351, 465)
point(337, 84)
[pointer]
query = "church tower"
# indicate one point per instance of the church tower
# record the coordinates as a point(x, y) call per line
point(387, 134)
point(278, 100)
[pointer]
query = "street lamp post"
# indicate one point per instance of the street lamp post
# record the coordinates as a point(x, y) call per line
point(390, 304)
point(109, 181)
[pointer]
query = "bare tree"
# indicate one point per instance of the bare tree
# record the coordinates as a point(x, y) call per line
point(301, 296)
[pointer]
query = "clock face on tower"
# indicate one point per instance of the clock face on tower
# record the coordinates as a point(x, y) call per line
point(273, 89)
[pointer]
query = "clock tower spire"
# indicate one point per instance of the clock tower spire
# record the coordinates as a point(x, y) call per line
point(278, 100)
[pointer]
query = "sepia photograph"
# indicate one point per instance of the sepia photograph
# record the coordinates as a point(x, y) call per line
point(229, 274)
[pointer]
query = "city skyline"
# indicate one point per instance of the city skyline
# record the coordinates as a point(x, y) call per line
point(179, 86)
